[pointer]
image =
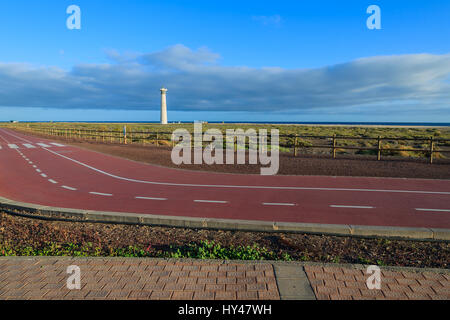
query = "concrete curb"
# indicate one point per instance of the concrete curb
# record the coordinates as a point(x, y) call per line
point(79, 215)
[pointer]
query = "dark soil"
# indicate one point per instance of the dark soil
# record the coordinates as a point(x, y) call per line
point(26, 231)
point(344, 165)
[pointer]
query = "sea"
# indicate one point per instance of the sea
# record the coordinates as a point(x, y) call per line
point(406, 124)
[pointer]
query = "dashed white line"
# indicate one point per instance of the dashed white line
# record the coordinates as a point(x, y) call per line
point(57, 144)
point(13, 146)
point(52, 181)
point(150, 198)
point(278, 204)
point(210, 201)
point(38, 170)
point(35, 166)
point(351, 207)
point(435, 210)
point(43, 175)
point(43, 145)
point(69, 188)
point(101, 194)
point(29, 146)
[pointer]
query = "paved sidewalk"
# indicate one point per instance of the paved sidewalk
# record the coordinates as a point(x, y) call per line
point(340, 283)
point(183, 279)
point(118, 278)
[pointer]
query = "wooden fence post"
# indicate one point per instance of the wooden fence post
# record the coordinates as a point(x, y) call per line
point(379, 149)
point(295, 146)
point(334, 146)
point(157, 139)
point(431, 149)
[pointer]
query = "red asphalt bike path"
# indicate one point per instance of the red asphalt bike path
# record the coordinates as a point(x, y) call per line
point(83, 179)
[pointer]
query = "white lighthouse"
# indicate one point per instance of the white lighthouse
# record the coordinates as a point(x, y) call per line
point(163, 106)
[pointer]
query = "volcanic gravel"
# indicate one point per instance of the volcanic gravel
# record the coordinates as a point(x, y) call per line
point(23, 231)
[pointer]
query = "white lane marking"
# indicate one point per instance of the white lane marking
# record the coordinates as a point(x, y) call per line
point(13, 146)
point(35, 166)
point(435, 210)
point(149, 198)
point(38, 170)
point(43, 145)
point(43, 175)
point(0, 147)
point(234, 186)
point(278, 204)
point(244, 187)
point(29, 146)
point(52, 181)
point(30, 162)
point(101, 194)
point(69, 188)
point(57, 144)
point(210, 201)
point(351, 207)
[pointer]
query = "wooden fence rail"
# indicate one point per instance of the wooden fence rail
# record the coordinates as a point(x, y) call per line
point(295, 141)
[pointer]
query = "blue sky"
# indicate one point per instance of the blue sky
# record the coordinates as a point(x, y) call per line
point(225, 60)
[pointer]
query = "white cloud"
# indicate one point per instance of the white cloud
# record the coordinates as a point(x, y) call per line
point(269, 20)
point(197, 82)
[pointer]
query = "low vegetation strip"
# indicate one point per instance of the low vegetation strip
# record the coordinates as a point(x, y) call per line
point(30, 237)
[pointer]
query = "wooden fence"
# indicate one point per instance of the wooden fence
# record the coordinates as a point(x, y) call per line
point(293, 142)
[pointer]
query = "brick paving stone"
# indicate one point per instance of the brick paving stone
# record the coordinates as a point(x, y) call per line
point(418, 296)
point(413, 275)
point(140, 295)
point(183, 295)
point(203, 295)
point(432, 276)
point(190, 268)
point(256, 287)
point(227, 280)
point(161, 295)
point(235, 287)
point(154, 286)
point(206, 280)
point(334, 283)
point(326, 290)
point(401, 288)
point(194, 287)
point(246, 295)
point(225, 295)
point(349, 291)
point(394, 294)
point(118, 294)
point(344, 277)
point(324, 276)
point(174, 287)
point(422, 290)
point(268, 295)
point(215, 287)
point(407, 281)
point(97, 294)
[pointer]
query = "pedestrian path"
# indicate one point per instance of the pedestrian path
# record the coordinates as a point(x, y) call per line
point(185, 279)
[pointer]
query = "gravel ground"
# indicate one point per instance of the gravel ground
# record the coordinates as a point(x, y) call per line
point(26, 231)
